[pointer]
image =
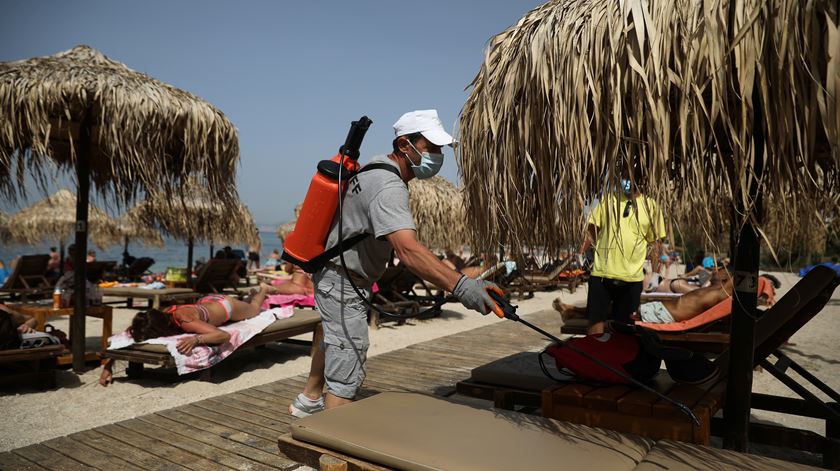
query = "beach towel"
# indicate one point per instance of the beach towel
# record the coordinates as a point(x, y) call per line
point(205, 356)
point(284, 300)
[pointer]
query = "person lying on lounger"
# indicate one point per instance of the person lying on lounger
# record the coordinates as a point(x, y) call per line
point(699, 277)
point(299, 283)
point(12, 324)
point(679, 309)
point(202, 319)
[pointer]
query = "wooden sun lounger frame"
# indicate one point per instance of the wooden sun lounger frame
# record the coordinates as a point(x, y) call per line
point(39, 365)
point(29, 283)
point(137, 359)
point(771, 332)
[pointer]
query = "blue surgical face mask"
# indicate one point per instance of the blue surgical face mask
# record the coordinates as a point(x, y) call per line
point(625, 186)
point(429, 165)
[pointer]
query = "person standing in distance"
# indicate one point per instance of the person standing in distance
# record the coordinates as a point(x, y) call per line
point(622, 226)
point(376, 203)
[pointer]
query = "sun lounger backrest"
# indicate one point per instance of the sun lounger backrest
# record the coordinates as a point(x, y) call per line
point(795, 309)
point(216, 275)
point(139, 266)
point(96, 270)
point(29, 272)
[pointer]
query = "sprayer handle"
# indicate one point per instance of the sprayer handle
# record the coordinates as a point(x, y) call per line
point(503, 309)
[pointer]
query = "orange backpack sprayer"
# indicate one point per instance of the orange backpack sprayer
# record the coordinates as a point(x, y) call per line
point(306, 245)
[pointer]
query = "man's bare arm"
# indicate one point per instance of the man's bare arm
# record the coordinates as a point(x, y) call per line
point(421, 260)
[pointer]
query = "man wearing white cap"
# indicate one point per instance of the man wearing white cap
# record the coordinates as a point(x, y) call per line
point(376, 203)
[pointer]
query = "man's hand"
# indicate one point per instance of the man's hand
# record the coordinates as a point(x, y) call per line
point(25, 329)
point(473, 294)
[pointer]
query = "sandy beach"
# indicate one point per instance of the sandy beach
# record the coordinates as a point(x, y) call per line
point(79, 403)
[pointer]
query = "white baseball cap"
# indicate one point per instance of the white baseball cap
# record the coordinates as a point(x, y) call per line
point(427, 123)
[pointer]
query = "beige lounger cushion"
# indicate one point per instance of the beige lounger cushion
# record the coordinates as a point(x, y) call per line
point(669, 455)
point(301, 317)
point(418, 432)
point(143, 293)
point(518, 371)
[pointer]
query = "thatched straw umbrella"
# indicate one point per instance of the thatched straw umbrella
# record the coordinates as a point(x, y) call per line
point(54, 218)
point(197, 217)
point(438, 210)
point(124, 131)
point(717, 108)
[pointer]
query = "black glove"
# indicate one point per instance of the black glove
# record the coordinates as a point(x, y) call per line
point(472, 293)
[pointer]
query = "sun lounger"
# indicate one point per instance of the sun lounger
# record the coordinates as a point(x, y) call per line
point(706, 332)
point(138, 268)
point(29, 366)
point(138, 355)
point(416, 432)
point(397, 293)
point(98, 271)
point(156, 297)
point(217, 275)
point(28, 279)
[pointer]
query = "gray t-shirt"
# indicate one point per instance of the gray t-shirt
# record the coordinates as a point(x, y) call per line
point(376, 202)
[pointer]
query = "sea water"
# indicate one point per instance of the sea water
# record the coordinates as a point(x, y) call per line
point(172, 254)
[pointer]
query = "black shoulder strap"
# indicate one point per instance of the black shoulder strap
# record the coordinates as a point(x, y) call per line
point(380, 166)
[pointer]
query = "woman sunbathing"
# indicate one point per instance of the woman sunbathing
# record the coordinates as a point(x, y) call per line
point(299, 283)
point(202, 319)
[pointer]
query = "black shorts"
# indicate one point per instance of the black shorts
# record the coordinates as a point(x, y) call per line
point(254, 256)
point(612, 299)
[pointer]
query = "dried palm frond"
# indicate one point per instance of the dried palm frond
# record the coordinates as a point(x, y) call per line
point(438, 210)
point(198, 216)
point(580, 93)
point(145, 136)
point(54, 218)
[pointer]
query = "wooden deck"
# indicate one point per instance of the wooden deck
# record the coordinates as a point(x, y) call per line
point(240, 430)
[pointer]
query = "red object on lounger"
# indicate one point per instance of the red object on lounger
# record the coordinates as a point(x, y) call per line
point(714, 313)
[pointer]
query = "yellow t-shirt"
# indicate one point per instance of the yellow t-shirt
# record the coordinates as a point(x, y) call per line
point(622, 245)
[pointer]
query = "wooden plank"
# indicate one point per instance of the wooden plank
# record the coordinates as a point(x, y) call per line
point(310, 455)
point(162, 443)
point(87, 455)
point(640, 402)
point(606, 398)
point(250, 434)
point(688, 394)
point(49, 458)
point(271, 422)
point(241, 409)
point(211, 445)
point(127, 451)
point(248, 445)
point(571, 394)
point(11, 461)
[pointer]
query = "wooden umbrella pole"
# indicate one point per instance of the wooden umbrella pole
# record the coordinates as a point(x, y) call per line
point(77, 326)
point(61, 257)
point(745, 299)
point(211, 251)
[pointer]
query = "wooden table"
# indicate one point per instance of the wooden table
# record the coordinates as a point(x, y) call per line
point(43, 311)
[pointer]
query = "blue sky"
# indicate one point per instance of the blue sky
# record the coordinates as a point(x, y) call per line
point(290, 75)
